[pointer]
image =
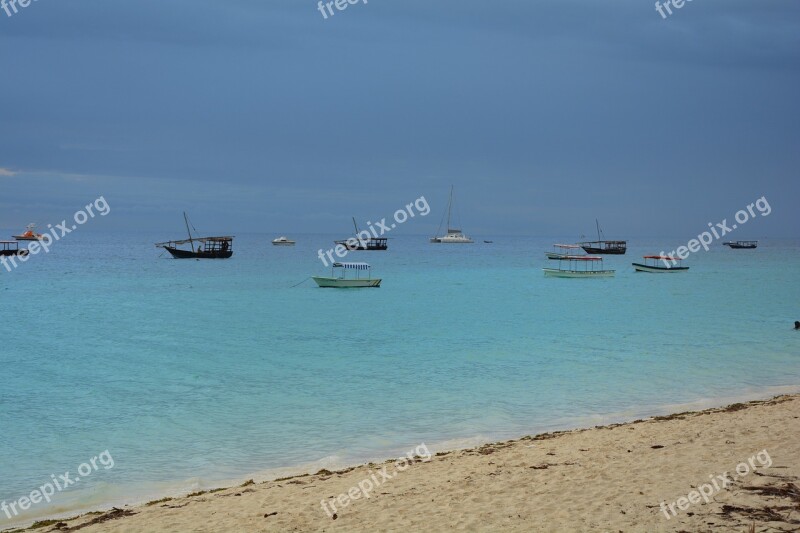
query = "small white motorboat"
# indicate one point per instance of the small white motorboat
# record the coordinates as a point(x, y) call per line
point(283, 241)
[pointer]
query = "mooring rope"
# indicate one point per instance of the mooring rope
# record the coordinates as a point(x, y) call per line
point(293, 286)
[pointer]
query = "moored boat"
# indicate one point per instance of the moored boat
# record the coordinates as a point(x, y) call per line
point(341, 281)
point(29, 234)
point(741, 245)
point(603, 246)
point(561, 251)
point(364, 244)
point(283, 241)
point(453, 235)
point(660, 264)
point(9, 248)
point(570, 267)
point(207, 248)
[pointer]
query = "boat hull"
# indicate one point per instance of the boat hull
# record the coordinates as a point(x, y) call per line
point(283, 244)
point(9, 253)
point(742, 246)
point(367, 246)
point(592, 250)
point(556, 256)
point(445, 240)
point(177, 253)
point(556, 273)
point(23, 238)
point(339, 283)
point(658, 269)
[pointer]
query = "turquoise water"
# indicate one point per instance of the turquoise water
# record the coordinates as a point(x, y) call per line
point(196, 373)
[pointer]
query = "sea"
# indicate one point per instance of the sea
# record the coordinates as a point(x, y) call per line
point(193, 375)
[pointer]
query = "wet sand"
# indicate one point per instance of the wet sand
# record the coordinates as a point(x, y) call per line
point(659, 474)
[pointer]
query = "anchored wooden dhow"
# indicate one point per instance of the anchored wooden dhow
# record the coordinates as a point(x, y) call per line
point(206, 247)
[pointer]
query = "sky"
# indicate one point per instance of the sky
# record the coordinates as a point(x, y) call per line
point(262, 115)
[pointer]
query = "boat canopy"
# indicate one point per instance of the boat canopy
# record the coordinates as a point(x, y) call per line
point(583, 258)
point(668, 258)
point(570, 246)
point(352, 266)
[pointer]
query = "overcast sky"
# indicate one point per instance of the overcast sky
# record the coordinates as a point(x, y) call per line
point(262, 115)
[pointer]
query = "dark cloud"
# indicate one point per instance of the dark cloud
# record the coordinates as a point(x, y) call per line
point(533, 109)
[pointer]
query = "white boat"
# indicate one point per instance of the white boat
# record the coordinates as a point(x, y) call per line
point(565, 248)
point(341, 281)
point(662, 268)
point(570, 267)
point(453, 236)
point(283, 241)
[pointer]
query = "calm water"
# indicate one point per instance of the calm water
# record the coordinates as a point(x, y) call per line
point(198, 373)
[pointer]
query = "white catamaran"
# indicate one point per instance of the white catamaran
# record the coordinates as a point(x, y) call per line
point(453, 236)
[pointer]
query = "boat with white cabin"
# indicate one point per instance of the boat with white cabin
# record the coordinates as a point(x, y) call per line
point(283, 241)
point(340, 280)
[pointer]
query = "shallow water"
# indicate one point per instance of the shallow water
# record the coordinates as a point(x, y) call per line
point(196, 373)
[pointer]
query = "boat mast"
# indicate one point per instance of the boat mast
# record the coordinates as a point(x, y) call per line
point(186, 219)
point(597, 223)
point(449, 208)
point(355, 225)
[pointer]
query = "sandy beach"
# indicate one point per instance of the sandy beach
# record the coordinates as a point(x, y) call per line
point(722, 469)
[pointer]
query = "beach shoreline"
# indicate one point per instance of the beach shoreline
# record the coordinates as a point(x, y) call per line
point(530, 464)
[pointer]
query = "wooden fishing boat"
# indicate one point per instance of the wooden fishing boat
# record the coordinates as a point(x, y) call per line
point(453, 235)
point(341, 281)
point(9, 248)
point(741, 245)
point(660, 264)
point(561, 251)
point(207, 247)
point(602, 246)
point(368, 244)
point(579, 266)
point(29, 234)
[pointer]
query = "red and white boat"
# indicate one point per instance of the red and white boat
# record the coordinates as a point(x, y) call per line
point(29, 234)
